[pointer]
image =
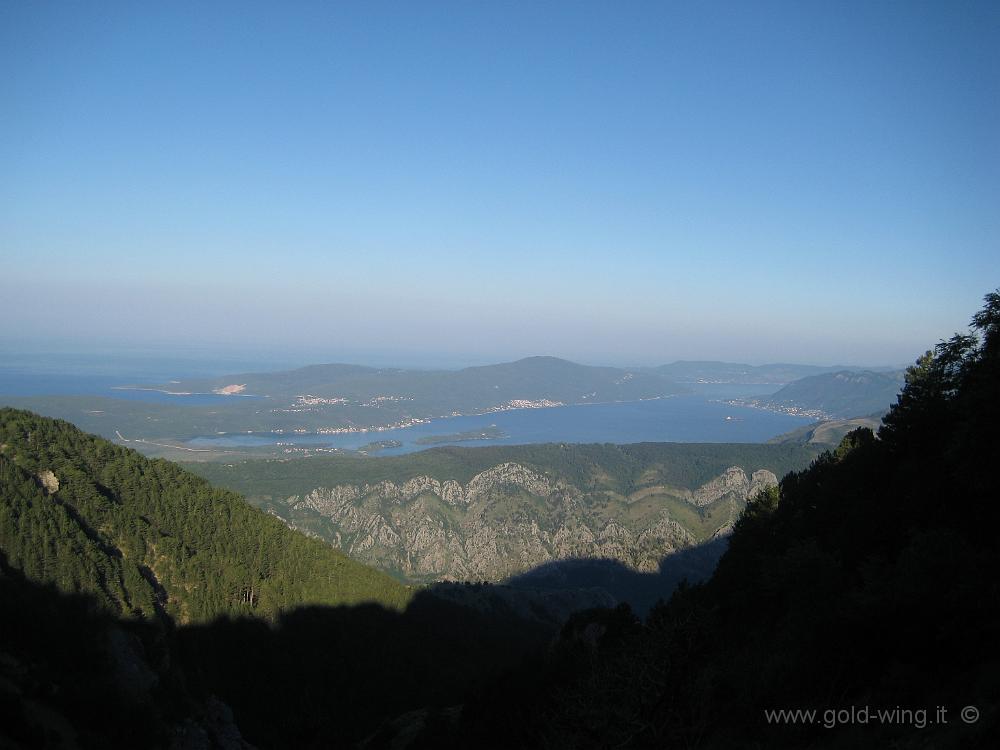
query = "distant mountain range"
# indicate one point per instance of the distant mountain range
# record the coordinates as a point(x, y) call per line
point(730, 372)
point(480, 387)
point(438, 392)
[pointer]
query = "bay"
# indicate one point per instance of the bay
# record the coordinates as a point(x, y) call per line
point(684, 419)
point(700, 417)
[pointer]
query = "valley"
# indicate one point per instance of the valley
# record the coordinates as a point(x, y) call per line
point(493, 513)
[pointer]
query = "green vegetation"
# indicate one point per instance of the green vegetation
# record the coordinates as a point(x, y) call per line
point(145, 536)
point(828, 433)
point(493, 512)
point(379, 445)
point(490, 433)
point(592, 467)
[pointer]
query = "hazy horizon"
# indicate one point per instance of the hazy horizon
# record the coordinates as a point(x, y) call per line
point(447, 183)
point(22, 353)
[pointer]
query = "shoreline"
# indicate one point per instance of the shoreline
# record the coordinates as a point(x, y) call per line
point(182, 393)
point(814, 414)
point(354, 430)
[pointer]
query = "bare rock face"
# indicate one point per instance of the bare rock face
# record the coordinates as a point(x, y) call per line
point(48, 481)
point(453, 493)
point(662, 538)
point(507, 474)
point(733, 482)
point(510, 518)
point(760, 480)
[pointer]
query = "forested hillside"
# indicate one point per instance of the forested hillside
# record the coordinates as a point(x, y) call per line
point(146, 536)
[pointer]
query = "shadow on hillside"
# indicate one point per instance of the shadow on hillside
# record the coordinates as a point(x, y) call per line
point(316, 677)
point(73, 675)
point(336, 673)
point(624, 584)
point(61, 680)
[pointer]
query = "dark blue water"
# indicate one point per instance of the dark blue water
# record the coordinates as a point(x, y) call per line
point(686, 419)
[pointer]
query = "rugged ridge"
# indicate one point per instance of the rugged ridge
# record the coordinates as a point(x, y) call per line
point(511, 518)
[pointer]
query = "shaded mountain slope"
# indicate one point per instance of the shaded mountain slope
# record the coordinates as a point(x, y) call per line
point(72, 675)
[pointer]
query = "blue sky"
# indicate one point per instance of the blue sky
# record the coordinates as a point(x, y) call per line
point(610, 182)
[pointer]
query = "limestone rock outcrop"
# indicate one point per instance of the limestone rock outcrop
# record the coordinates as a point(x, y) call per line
point(510, 518)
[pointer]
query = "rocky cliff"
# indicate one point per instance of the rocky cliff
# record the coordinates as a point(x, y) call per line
point(510, 518)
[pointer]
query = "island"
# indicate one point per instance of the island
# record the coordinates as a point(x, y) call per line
point(490, 433)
